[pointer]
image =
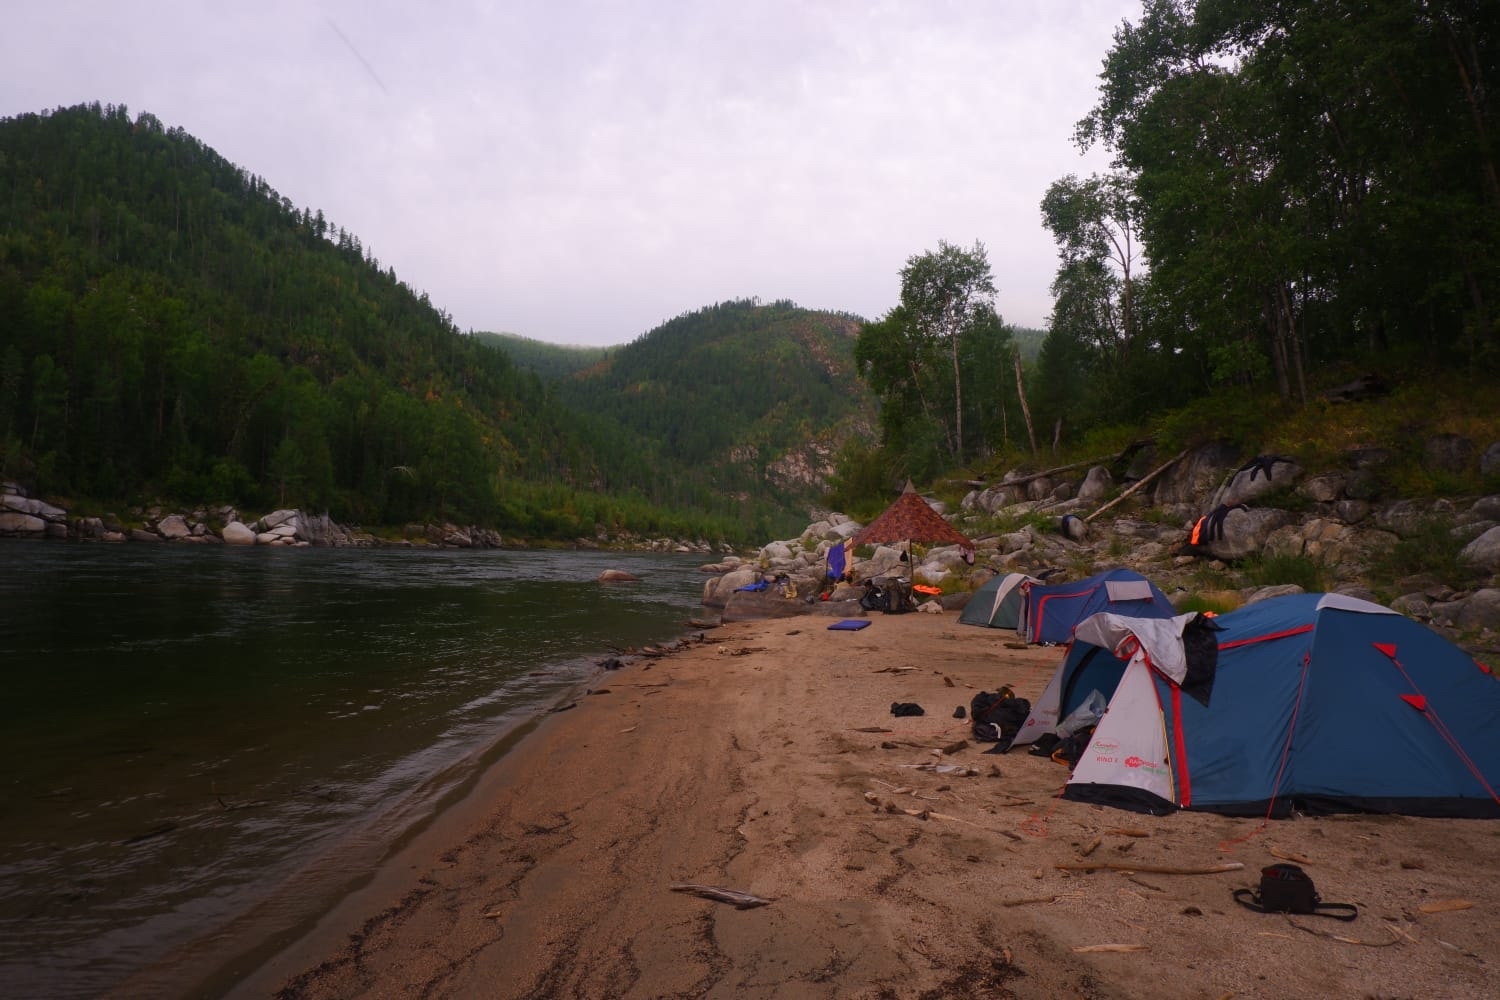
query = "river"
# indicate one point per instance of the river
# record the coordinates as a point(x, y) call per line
point(189, 731)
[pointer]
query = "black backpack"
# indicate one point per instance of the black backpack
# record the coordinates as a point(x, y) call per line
point(1288, 889)
point(998, 716)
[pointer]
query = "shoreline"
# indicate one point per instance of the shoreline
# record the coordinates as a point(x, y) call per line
point(361, 862)
point(768, 761)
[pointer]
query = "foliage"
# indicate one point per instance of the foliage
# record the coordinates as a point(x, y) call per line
point(1431, 547)
point(173, 327)
point(549, 361)
point(1279, 569)
point(727, 394)
point(1241, 416)
point(1305, 184)
point(1214, 604)
point(940, 362)
point(861, 483)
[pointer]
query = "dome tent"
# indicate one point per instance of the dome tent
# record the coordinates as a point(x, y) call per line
point(1311, 702)
point(1049, 612)
point(997, 603)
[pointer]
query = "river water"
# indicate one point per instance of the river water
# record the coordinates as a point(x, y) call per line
point(186, 731)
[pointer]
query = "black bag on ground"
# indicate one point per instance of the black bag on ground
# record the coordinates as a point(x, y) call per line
point(998, 716)
point(1288, 889)
point(1069, 749)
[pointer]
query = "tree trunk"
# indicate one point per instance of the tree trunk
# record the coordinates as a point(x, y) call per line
point(1025, 410)
point(958, 405)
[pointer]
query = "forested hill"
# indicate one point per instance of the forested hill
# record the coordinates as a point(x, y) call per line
point(174, 328)
point(550, 361)
point(761, 395)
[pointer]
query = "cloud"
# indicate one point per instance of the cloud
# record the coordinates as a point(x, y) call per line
point(580, 171)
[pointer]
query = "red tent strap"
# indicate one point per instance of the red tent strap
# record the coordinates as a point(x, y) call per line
point(1415, 701)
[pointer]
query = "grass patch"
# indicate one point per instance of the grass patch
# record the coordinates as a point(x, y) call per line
point(1216, 603)
point(1282, 569)
point(1432, 548)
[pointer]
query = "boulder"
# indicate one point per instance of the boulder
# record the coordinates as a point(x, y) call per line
point(749, 606)
point(1325, 488)
point(28, 505)
point(776, 552)
point(1406, 518)
point(15, 523)
point(236, 533)
point(1413, 606)
point(1245, 533)
point(1448, 453)
point(618, 576)
point(716, 593)
point(1196, 475)
point(277, 518)
point(1265, 474)
point(1484, 551)
point(173, 527)
point(1489, 461)
point(1481, 611)
point(1485, 509)
point(1096, 484)
point(1266, 593)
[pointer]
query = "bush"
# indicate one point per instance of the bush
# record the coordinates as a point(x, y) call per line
point(1431, 548)
point(1279, 570)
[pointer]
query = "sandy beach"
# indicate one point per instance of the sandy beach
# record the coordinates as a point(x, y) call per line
point(767, 761)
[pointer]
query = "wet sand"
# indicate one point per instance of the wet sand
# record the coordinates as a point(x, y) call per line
point(768, 761)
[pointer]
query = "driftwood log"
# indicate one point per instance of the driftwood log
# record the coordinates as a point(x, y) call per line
point(1088, 866)
point(1163, 467)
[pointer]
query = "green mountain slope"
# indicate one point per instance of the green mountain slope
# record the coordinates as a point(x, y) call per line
point(759, 397)
point(550, 361)
point(172, 328)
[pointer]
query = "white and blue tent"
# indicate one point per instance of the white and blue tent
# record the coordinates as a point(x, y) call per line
point(1311, 702)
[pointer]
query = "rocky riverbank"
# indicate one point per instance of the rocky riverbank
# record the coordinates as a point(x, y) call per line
point(1336, 520)
point(24, 516)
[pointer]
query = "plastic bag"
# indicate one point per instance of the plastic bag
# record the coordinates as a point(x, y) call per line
point(1085, 715)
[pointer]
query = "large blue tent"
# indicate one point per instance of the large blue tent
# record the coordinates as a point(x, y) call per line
point(1048, 613)
point(1311, 702)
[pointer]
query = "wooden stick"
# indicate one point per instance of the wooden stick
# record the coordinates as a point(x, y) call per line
point(1444, 906)
point(1091, 847)
point(1395, 938)
point(1022, 480)
point(1088, 866)
point(1084, 949)
point(1289, 856)
point(1148, 477)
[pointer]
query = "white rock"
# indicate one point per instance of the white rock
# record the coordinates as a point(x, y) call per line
point(236, 533)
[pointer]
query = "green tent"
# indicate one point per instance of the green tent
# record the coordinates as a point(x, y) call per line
point(997, 604)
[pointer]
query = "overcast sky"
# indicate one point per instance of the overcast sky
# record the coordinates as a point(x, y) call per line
point(579, 171)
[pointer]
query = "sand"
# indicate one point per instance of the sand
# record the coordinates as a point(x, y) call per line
point(767, 761)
